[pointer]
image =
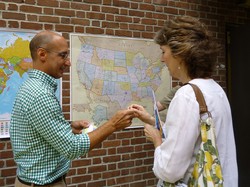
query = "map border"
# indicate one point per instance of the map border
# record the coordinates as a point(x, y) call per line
point(105, 37)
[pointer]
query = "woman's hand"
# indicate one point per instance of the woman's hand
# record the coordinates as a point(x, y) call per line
point(153, 135)
point(142, 114)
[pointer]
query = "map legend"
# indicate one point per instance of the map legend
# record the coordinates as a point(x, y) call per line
point(4, 129)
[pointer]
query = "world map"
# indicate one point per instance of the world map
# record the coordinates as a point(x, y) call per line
point(15, 61)
point(110, 73)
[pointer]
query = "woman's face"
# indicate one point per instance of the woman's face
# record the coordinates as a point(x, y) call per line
point(173, 63)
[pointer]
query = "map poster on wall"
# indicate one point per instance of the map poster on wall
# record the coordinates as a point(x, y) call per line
point(15, 61)
point(111, 73)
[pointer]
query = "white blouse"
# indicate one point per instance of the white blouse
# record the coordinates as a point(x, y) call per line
point(174, 158)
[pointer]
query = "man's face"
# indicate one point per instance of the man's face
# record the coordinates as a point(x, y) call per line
point(58, 58)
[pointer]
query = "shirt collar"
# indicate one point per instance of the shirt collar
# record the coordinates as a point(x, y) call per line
point(44, 77)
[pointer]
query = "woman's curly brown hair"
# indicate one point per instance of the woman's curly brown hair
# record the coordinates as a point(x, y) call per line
point(190, 40)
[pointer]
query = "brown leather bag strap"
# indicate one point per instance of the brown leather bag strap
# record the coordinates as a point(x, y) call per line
point(200, 99)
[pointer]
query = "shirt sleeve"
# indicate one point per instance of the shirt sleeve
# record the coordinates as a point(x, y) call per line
point(47, 119)
point(173, 157)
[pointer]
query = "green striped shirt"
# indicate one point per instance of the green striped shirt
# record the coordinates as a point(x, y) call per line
point(41, 138)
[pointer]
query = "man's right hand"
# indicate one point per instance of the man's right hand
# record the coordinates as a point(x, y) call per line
point(122, 119)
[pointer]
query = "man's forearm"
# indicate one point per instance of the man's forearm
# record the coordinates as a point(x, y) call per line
point(100, 134)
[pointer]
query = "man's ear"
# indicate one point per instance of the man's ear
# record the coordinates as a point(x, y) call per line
point(42, 54)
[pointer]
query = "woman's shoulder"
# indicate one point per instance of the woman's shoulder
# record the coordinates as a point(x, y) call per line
point(207, 87)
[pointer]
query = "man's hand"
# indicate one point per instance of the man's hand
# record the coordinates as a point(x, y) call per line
point(122, 119)
point(78, 126)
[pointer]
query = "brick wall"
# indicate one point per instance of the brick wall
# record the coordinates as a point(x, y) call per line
point(125, 159)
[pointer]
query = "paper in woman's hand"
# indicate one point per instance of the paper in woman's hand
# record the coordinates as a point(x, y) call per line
point(158, 123)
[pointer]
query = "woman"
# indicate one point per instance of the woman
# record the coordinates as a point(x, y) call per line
point(189, 52)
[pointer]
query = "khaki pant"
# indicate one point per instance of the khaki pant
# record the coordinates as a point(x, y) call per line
point(57, 184)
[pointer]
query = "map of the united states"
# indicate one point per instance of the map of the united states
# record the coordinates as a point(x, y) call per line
point(112, 79)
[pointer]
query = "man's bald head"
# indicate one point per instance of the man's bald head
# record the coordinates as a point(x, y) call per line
point(42, 39)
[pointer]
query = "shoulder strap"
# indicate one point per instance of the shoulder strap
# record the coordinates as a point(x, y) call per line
point(200, 99)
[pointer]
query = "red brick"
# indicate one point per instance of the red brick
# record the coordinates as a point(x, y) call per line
point(2, 182)
point(49, 11)
point(31, 9)
point(126, 164)
point(63, 12)
point(97, 183)
point(111, 10)
point(147, 7)
point(2, 6)
point(64, 28)
point(30, 25)
point(134, 5)
point(32, 2)
point(96, 8)
point(111, 174)
point(82, 178)
point(12, 15)
point(48, 26)
point(94, 15)
point(97, 152)
point(2, 163)
point(77, 21)
point(2, 145)
point(51, 19)
point(149, 21)
point(94, 169)
point(93, 1)
point(49, 3)
point(6, 154)
point(125, 19)
point(81, 162)
point(32, 17)
point(10, 163)
point(123, 12)
point(78, 6)
point(12, 7)
point(136, 13)
point(8, 172)
point(137, 27)
point(107, 2)
point(121, 3)
point(124, 179)
point(114, 143)
point(10, 180)
point(171, 10)
point(93, 30)
point(114, 158)
point(65, 5)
